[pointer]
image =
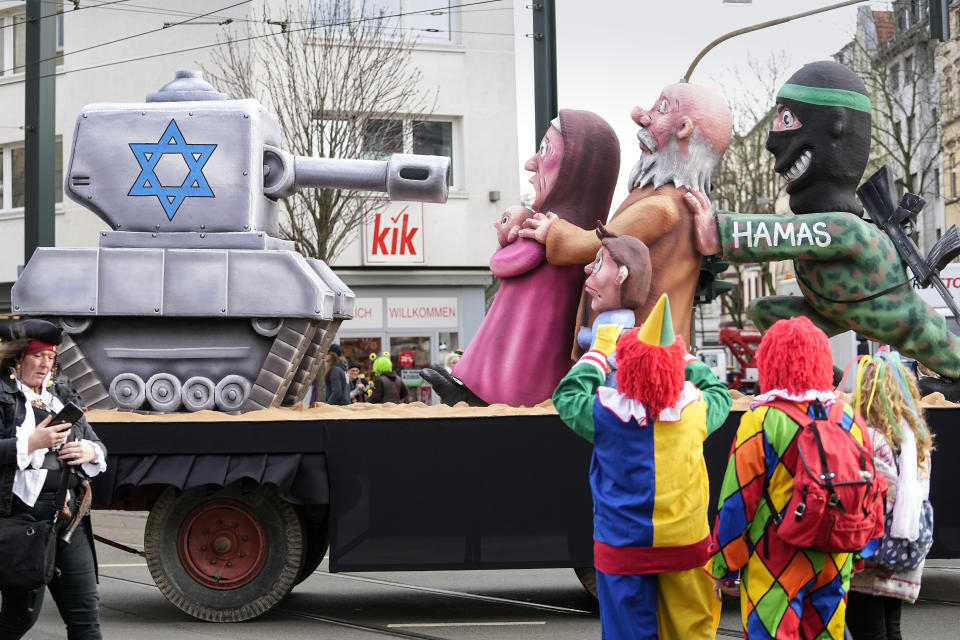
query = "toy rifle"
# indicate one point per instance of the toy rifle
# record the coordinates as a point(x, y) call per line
point(82, 510)
point(899, 223)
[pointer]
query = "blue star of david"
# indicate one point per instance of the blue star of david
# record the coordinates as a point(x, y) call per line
point(194, 155)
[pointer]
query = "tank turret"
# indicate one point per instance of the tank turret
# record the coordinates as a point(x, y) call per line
point(191, 300)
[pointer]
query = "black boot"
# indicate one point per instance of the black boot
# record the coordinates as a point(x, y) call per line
point(949, 388)
point(450, 390)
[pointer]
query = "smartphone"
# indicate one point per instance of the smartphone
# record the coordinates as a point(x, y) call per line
point(69, 414)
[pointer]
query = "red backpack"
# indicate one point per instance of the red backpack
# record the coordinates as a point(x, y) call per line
point(838, 496)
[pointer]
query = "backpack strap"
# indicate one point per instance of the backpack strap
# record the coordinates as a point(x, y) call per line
point(792, 411)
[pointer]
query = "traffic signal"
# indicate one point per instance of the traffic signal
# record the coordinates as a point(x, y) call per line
point(708, 287)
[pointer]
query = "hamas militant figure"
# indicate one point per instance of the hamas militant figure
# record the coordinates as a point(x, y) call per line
point(849, 270)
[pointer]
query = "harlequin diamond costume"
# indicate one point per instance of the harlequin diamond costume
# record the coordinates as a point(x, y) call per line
point(648, 477)
point(786, 592)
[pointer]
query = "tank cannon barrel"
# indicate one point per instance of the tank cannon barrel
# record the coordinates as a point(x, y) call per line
point(402, 177)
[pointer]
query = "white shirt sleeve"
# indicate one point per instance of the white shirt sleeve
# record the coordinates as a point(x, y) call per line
point(99, 463)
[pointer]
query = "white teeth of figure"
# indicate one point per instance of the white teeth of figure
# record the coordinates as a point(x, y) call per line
point(801, 165)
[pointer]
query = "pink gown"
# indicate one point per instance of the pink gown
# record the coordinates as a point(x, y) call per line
point(522, 348)
point(521, 362)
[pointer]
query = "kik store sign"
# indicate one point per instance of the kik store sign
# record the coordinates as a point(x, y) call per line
point(393, 232)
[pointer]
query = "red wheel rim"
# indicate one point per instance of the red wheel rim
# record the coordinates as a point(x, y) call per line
point(222, 544)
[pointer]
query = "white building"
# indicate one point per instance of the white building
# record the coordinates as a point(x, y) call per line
point(897, 59)
point(421, 302)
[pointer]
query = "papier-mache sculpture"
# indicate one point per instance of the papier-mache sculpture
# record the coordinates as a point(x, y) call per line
point(192, 300)
point(521, 350)
point(618, 282)
point(849, 271)
point(681, 139)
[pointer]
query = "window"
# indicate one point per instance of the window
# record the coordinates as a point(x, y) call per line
point(381, 138)
point(17, 52)
point(420, 19)
point(953, 176)
point(948, 99)
point(936, 181)
point(434, 138)
point(12, 166)
point(894, 76)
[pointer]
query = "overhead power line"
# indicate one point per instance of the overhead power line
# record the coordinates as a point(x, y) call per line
point(270, 35)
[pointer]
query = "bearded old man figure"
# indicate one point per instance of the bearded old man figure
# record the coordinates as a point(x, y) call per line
point(681, 140)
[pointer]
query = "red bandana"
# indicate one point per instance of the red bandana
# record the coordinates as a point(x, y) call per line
point(36, 346)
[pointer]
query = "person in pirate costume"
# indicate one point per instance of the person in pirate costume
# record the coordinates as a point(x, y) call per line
point(648, 477)
point(33, 455)
point(786, 592)
point(849, 271)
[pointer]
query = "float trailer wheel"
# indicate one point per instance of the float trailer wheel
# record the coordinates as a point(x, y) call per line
point(225, 556)
point(316, 542)
point(588, 578)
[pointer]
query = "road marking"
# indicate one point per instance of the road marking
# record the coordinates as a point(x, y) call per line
point(119, 565)
point(458, 594)
point(462, 624)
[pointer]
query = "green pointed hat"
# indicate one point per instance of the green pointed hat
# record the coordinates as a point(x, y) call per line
point(657, 329)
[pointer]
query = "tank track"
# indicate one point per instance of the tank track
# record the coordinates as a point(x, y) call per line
point(312, 362)
point(281, 364)
point(84, 379)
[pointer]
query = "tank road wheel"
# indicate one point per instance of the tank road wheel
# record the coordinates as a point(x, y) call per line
point(163, 392)
point(224, 557)
point(197, 393)
point(231, 393)
point(128, 391)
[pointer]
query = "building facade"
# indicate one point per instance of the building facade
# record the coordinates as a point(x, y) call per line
point(949, 53)
point(419, 270)
point(897, 59)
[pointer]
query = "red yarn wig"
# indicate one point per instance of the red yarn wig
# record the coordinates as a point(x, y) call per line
point(795, 355)
point(648, 374)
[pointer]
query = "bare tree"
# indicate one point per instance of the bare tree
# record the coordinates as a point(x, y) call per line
point(745, 180)
point(340, 77)
point(904, 95)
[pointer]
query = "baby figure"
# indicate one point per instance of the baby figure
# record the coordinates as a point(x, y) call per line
point(509, 224)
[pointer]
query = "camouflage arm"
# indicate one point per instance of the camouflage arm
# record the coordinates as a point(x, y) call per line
point(814, 236)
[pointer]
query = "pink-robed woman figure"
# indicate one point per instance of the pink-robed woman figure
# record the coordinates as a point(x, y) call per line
point(522, 348)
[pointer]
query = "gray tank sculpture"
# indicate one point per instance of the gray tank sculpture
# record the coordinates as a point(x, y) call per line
point(191, 300)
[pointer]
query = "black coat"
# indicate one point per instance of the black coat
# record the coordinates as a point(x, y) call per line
point(13, 407)
point(388, 387)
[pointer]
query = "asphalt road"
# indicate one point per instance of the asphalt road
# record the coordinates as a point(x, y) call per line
point(454, 605)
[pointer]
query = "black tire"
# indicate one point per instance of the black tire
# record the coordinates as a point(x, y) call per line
point(257, 535)
point(588, 578)
point(316, 541)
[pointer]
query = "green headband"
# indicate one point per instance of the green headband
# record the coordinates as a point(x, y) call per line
point(825, 97)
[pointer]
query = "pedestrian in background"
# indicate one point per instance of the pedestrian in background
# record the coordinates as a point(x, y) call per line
point(387, 387)
point(888, 398)
point(34, 456)
point(358, 382)
point(336, 386)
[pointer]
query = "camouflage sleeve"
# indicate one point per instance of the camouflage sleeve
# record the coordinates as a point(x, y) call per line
point(815, 236)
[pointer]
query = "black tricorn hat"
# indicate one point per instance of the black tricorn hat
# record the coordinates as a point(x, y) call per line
point(31, 329)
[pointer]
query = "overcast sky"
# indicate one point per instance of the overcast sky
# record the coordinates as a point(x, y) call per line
point(614, 54)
